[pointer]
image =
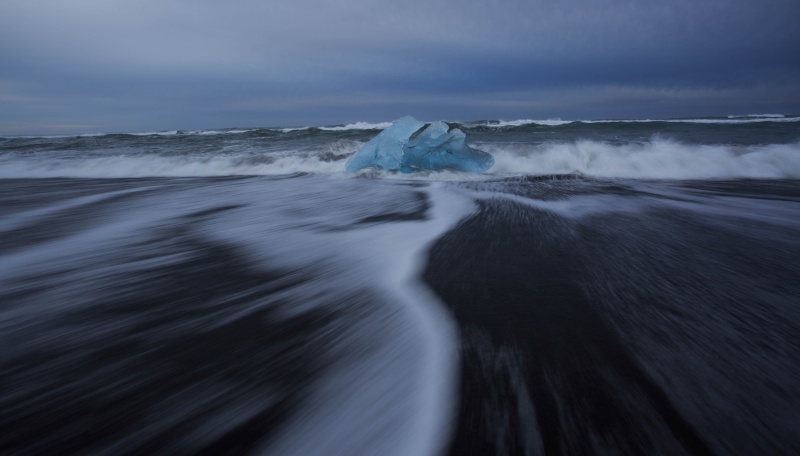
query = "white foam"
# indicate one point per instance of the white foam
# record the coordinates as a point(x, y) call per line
point(153, 133)
point(737, 120)
point(143, 133)
point(657, 159)
point(121, 166)
point(359, 126)
point(189, 132)
point(352, 126)
point(399, 395)
point(33, 216)
point(85, 135)
point(758, 115)
point(521, 122)
point(220, 132)
point(398, 269)
point(729, 120)
point(732, 119)
point(753, 118)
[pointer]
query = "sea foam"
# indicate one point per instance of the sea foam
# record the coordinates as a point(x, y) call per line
point(655, 159)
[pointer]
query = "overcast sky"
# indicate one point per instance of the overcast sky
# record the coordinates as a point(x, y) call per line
point(105, 65)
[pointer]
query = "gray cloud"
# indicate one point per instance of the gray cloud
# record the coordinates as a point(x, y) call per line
point(193, 64)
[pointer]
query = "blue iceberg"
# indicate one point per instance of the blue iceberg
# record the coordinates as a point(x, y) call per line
point(385, 151)
point(435, 148)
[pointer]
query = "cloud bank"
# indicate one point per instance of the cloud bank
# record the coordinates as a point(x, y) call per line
point(91, 65)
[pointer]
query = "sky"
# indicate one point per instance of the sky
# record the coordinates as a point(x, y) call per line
point(81, 66)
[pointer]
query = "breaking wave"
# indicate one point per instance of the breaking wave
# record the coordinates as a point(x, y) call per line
point(520, 123)
point(187, 132)
point(656, 159)
point(359, 126)
point(729, 120)
point(477, 125)
point(758, 115)
point(121, 166)
point(352, 126)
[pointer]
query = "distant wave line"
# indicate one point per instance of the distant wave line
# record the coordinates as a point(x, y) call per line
point(365, 126)
point(699, 120)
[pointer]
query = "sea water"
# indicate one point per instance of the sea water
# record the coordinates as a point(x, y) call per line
point(607, 287)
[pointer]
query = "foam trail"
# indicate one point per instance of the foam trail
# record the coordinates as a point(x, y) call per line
point(38, 215)
point(122, 166)
point(398, 396)
point(398, 270)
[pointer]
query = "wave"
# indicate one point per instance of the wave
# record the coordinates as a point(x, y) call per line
point(145, 133)
point(751, 118)
point(122, 166)
point(777, 116)
point(181, 133)
point(359, 126)
point(352, 126)
point(656, 159)
point(488, 123)
point(519, 123)
point(483, 124)
point(510, 124)
point(729, 120)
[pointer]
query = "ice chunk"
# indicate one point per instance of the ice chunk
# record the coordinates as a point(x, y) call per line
point(385, 150)
point(435, 149)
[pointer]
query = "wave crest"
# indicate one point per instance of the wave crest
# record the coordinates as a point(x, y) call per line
point(656, 159)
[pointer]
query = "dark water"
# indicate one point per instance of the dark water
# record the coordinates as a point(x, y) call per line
point(607, 288)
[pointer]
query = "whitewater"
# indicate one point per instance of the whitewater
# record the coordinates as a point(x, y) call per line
point(606, 287)
point(647, 149)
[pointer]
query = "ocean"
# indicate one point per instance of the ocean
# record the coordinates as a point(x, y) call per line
point(607, 287)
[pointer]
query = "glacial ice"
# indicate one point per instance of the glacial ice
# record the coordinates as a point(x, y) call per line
point(385, 151)
point(435, 148)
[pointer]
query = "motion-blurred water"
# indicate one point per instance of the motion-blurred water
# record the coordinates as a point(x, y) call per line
point(607, 288)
